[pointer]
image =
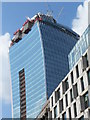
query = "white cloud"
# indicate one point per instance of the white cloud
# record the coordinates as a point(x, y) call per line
point(80, 23)
point(4, 68)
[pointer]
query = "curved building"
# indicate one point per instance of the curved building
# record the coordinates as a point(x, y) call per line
point(38, 61)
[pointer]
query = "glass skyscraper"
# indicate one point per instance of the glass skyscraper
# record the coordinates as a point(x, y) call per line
point(38, 61)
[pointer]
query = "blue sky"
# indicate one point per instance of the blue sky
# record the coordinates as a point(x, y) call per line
point(14, 13)
point(13, 16)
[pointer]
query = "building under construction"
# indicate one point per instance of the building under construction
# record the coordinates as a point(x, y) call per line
point(38, 62)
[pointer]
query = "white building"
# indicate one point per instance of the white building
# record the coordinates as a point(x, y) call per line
point(71, 99)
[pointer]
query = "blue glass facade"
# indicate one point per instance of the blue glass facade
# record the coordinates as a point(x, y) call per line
point(28, 54)
point(79, 49)
point(43, 53)
point(57, 45)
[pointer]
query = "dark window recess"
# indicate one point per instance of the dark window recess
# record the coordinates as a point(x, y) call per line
point(89, 113)
point(85, 62)
point(84, 101)
point(61, 105)
point(49, 115)
point(88, 74)
point(77, 71)
point(64, 116)
point(81, 118)
point(82, 84)
point(72, 77)
point(75, 110)
point(69, 110)
point(57, 95)
point(71, 94)
point(55, 112)
point(65, 85)
point(22, 94)
point(66, 100)
point(58, 118)
point(75, 90)
point(52, 101)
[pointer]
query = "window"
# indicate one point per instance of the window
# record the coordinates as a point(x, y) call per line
point(71, 94)
point(81, 118)
point(64, 116)
point(66, 84)
point(75, 110)
point(86, 57)
point(55, 112)
point(86, 101)
point(72, 77)
point(50, 115)
point(52, 101)
point(75, 90)
point(66, 100)
point(57, 95)
point(61, 105)
point(82, 83)
point(84, 62)
point(77, 71)
point(69, 110)
point(88, 73)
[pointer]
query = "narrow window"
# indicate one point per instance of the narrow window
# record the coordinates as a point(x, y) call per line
point(75, 110)
point(88, 74)
point(69, 110)
point(86, 100)
point(52, 101)
point(82, 84)
point(77, 71)
point(57, 95)
point(55, 112)
point(86, 57)
point(71, 94)
point(61, 105)
point(75, 90)
point(66, 100)
point(64, 116)
point(81, 118)
point(72, 77)
point(85, 62)
point(66, 84)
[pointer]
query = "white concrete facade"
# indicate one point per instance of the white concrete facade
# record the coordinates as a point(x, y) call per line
point(71, 99)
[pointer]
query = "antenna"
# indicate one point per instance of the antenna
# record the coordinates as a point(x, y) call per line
point(49, 10)
point(59, 13)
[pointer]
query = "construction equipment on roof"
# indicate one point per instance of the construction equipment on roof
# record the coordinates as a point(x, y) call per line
point(17, 35)
point(27, 26)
